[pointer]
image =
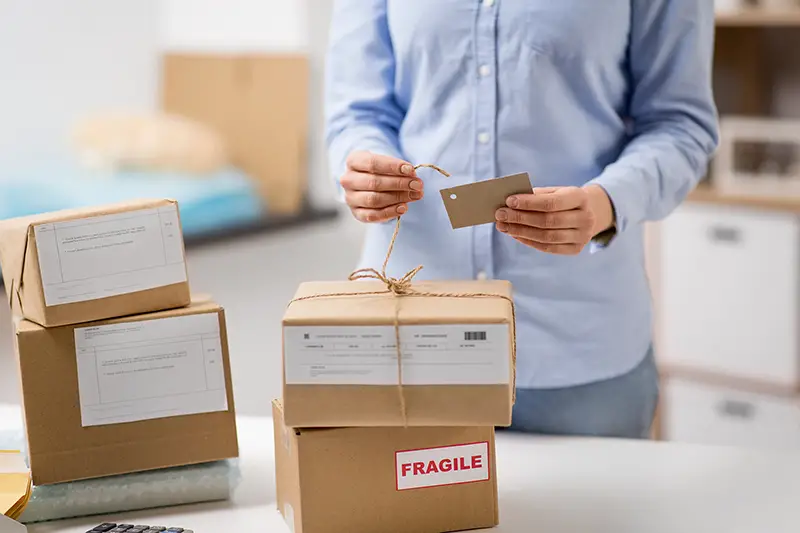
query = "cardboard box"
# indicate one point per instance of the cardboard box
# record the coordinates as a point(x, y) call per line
point(259, 103)
point(87, 264)
point(127, 395)
point(385, 480)
point(340, 356)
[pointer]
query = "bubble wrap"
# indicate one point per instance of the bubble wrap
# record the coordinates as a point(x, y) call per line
point(131, 492)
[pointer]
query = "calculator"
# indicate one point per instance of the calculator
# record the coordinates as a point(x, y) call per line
point(130, 528)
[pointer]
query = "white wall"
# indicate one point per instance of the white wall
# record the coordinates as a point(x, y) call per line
point(61, 59)
point(234, 25)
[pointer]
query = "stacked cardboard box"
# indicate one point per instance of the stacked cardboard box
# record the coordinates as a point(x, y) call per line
point(120, 370)
point(368, 441)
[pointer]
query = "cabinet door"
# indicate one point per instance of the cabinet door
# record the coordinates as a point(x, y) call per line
point(729, 292)
point(702, 414)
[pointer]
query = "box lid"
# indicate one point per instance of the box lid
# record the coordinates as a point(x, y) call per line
point(196, 307)
point(477, 302)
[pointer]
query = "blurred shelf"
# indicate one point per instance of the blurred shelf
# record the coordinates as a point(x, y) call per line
point(760, 18)
point(707, 194)
point(308, 215)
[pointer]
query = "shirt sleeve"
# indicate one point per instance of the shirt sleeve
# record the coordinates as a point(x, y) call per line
point(672, 110)
point(361, 110)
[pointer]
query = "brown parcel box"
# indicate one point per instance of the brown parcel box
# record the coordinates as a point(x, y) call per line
point(139, 378)
point(340, 356)
point(385, 480)
point(80, 265)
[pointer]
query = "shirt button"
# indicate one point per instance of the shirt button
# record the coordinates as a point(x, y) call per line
point(484, 71)
point(483, 138)
point(488, 3)
point(481, 276)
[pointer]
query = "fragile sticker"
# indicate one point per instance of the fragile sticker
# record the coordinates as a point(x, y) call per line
point(441, 466)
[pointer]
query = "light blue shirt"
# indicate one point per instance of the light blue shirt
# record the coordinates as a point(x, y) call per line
point(613, 92)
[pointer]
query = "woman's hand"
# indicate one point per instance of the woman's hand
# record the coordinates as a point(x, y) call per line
point(558, 220)
point(378, 188)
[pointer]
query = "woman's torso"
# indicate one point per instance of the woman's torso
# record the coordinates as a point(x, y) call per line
point(537, 86)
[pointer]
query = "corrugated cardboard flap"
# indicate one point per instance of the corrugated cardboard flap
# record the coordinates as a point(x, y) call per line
point(16, 233)
point(13, 246)
point(196, 307)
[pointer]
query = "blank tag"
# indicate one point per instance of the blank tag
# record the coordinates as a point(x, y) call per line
point(477, 203)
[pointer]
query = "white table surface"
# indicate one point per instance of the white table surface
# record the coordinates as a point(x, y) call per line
point(558, 485)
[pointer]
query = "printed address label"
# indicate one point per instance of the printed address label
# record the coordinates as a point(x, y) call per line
point(109, 255)
point(432, 354)
point(158, 368)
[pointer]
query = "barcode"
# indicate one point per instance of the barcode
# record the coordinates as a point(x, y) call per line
point(474, 335)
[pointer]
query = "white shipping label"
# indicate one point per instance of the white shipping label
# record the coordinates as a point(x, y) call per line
point(448, 354)
point(150, 369)
point(109, 255)
point(448, 465)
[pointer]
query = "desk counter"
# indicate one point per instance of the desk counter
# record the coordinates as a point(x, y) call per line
point(561, 485)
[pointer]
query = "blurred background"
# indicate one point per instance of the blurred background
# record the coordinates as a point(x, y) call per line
point(219, 104)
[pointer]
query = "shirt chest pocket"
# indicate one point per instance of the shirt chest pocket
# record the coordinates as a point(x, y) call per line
point(567, 30)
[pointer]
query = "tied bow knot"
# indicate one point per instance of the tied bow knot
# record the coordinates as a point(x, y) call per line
point(398, 287)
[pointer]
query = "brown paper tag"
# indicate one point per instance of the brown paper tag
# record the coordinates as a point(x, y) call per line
point(476, 203)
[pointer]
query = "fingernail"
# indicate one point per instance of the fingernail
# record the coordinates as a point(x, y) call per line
point(502, 227)
point(415, 195)
point(407, 169)
point(416, 185)
point(512, 202)
point(401, 209)
point(501, 215)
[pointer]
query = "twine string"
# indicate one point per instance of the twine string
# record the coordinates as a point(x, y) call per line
point(402, 287)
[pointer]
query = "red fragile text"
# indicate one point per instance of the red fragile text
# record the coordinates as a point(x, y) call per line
point(444, 465)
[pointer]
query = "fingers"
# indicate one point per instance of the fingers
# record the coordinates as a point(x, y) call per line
point(361, 181)
point(370, 163)
point(545, 236)
point(378, 188)
point(573, 219)
point(378, 215)
point(550, 200)
point(558, 249)
point(379, 200)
